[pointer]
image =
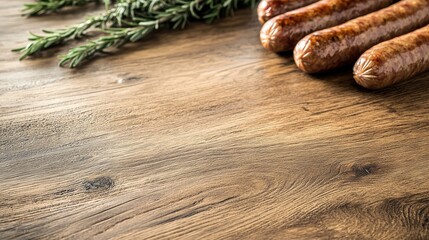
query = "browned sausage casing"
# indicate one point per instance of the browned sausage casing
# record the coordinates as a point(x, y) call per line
point(268, 9)
point(337, 46)
point(395, 60)
point(281, 33)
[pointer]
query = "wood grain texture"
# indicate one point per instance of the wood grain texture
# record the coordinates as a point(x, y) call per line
point(202, 134)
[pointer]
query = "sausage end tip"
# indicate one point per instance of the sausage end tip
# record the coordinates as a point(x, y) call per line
point(301, 56)
point(268, 36)
point(363, 73)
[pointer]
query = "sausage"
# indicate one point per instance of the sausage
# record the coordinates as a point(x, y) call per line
point(340, 45)
point(281, 33)
point(393, 61)
point(268, 9)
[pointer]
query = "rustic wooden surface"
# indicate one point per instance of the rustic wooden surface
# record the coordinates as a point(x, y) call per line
point(203, 134)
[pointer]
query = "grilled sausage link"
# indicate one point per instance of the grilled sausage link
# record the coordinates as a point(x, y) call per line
point(333, 47)
point(393, 61)
point(268, 9)
point(281, 33)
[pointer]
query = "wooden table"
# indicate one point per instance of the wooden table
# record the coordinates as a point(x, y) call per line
point(201, 133)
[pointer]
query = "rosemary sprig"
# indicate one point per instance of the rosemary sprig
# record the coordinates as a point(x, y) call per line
point(174, 14)
point(47, 6)
point(129, 21)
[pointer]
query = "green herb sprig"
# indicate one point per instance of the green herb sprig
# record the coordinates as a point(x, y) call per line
point(129, 21)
